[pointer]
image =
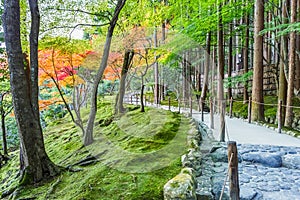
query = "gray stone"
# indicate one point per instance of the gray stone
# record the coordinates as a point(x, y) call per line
point(266, 159)
point(247, 193)
point(219, 155)
point(244, 179)
point(285, 187)
point(217, 190)
point(291, 161)
point(181, 186)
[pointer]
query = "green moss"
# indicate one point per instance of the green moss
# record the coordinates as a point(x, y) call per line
point(134, 132)
point(26, 179)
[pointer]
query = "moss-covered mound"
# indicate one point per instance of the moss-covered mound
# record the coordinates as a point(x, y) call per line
point(133, 156)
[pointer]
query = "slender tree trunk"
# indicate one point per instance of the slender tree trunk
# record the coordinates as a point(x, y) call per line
point(197, 73)
point(282, 63)
point(184, 80)
point(3, 126)
point(156, 72)
point(3, 129)
point(221, 64)
point(88, 137)
point(230, 62)
point(292, 63)
point(142, 96)
point(297, 84)
point(33, 39)
point(246, 57)
point(257, 87)
point(126, 65)
point(206, 68)
point(35, 165)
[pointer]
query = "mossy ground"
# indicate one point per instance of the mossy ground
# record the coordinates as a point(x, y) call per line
point(114, 175)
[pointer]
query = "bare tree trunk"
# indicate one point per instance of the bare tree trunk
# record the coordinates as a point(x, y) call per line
point(184, 80)
point(221, 64)
point(88, 137)
point(36, 164)
point(246, 57)
point(206, 68)
point(257, 87)
point(3, 126)
point(142, 96)
point(292, 63)
point(126, 65)
point(297, 84)
point(33, 37)
point(3, 130)
point(230, 62)
point(156, 72)
point(283, 61)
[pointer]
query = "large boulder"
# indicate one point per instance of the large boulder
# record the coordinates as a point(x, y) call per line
point(266, 159)
point(181, 186)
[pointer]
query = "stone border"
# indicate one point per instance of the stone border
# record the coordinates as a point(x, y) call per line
point(183, 186)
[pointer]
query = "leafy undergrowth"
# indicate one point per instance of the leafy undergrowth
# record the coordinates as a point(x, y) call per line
point(134, 156)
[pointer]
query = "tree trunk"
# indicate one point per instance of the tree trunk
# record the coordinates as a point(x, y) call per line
point(246, 57)
point(3, 126)
point(88, 137)
point(36, 164)
point(3, 129)
point(156, 72)
point(184, 80)
point(221, 64)
point(126, 65)
point(206, 68)
point(292, 62)
point(283, 61)
point(33, 40)
point(142, 97)
point(257, 87)
point(230, 62)
point(197, 73)
point(297, 62)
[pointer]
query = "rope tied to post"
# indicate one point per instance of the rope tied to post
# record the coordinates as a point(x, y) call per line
point(226, 177)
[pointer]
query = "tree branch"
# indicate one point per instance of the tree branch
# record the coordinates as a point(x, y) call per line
point(83, 11)
point(77, 25)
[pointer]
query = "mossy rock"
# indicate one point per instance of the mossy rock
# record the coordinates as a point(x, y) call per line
point(181, 186)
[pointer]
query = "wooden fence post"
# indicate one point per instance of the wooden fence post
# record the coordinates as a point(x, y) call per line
point(179, 105)
point(212, 125)
point(230, 107)
point(249, 110)
point(136, 99)
point(131, 99)
point(233, 173)
point(279, 116)
point(191, 106)
point(169, 103)
point(202, 108)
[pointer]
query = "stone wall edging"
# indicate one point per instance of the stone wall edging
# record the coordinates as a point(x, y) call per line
point(183, 186)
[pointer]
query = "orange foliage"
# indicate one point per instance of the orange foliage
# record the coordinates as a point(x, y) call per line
point(59, 66)
point(43, 104)
point(114, 66)
point(56, 67)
